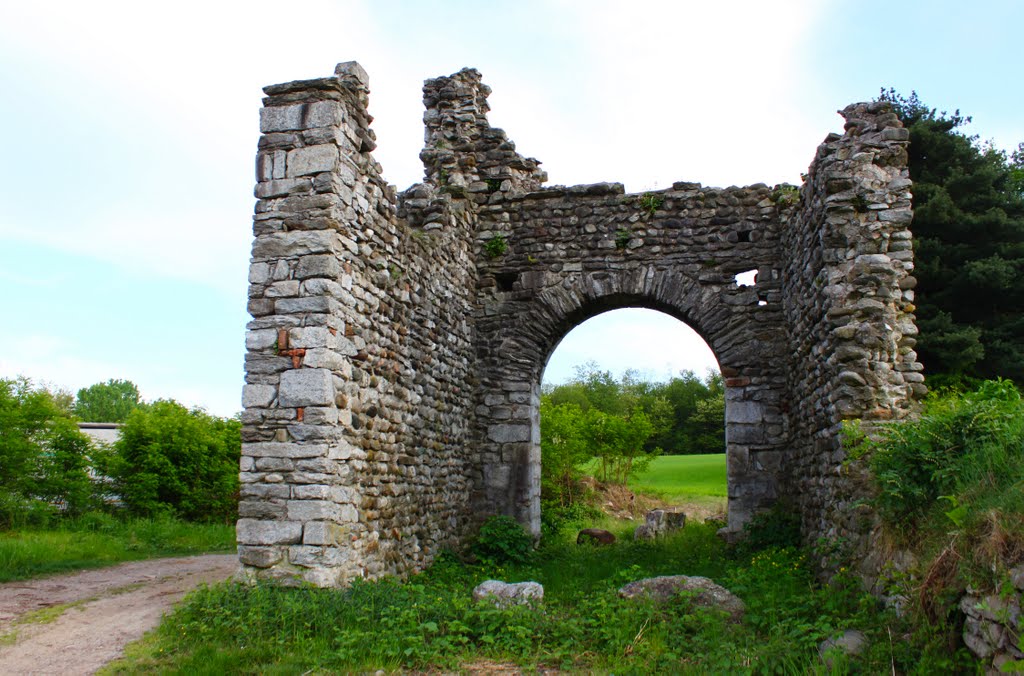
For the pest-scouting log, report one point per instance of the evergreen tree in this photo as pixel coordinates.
(969, 247)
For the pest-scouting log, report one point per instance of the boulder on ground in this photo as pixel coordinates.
(595, 536)
(705, 593)
(660, 522)
(850, 642)
(505, 594)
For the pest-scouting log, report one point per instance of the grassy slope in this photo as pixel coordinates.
(97, 541)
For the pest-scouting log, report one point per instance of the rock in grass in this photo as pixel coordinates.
(850, 642)
(595, 536)
(660, 522)
(505, 594)
(705, 593)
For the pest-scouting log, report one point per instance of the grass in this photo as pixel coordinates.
(683, 478)
(98, 540)
(430, 623)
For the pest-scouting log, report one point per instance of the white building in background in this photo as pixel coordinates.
(104, 433)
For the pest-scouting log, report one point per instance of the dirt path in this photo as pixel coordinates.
(99, 611)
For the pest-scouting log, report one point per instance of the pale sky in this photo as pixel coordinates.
(130, 131)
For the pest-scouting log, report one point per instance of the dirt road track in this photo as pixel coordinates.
(112, 607)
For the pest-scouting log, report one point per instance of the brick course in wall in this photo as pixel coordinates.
(398, 340)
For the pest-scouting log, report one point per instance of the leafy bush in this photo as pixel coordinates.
(63, 477)
(950, 487)
(170, 460)
(502, 540)
(556, 519)
(964, 450)
(44, 459)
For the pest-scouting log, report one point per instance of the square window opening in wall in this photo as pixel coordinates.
(746, 278)
(743, 236)
(506, 280)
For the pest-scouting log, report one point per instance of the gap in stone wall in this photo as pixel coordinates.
(746, 278)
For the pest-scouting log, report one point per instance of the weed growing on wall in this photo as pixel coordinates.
(496, 246)
(622, 237)
(649, 203)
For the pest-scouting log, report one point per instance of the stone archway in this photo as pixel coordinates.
(397, 341)
(528, 323)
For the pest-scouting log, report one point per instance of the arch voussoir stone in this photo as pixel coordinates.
(397, 341)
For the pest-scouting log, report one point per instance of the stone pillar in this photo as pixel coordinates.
(849, 304)
(299, 495)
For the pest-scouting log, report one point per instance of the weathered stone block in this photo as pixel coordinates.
(273, 449)
(318, 266)
(260, 532)
(312, 160)
(310, 556)
(744, 412)
(297, 243)
(322, 533)
(283, 186)
(281, 118)
(321, 510)
(323, 358)
(508, 433)
(306, 387)
(259, 557)
(258, 396)
(261, 339)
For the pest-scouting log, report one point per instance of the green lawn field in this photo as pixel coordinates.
(684, 478)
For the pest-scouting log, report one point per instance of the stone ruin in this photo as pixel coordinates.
(395, 354)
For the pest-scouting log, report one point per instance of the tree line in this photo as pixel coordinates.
(169, 460)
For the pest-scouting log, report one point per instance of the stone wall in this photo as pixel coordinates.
(398, 341)
(358, 397)
(849, 302)
(576, 252)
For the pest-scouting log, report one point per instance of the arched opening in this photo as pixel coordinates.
(520, 339)
(632, 418)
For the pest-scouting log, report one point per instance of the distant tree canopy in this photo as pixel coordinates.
(969, 247)
(111, 401)
(613, 428)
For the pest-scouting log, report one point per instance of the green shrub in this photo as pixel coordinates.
(502, 540)
(496, 246)
(44, 458)
(63, 477)
(556, 519)
(965, 449)
(173, 461)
